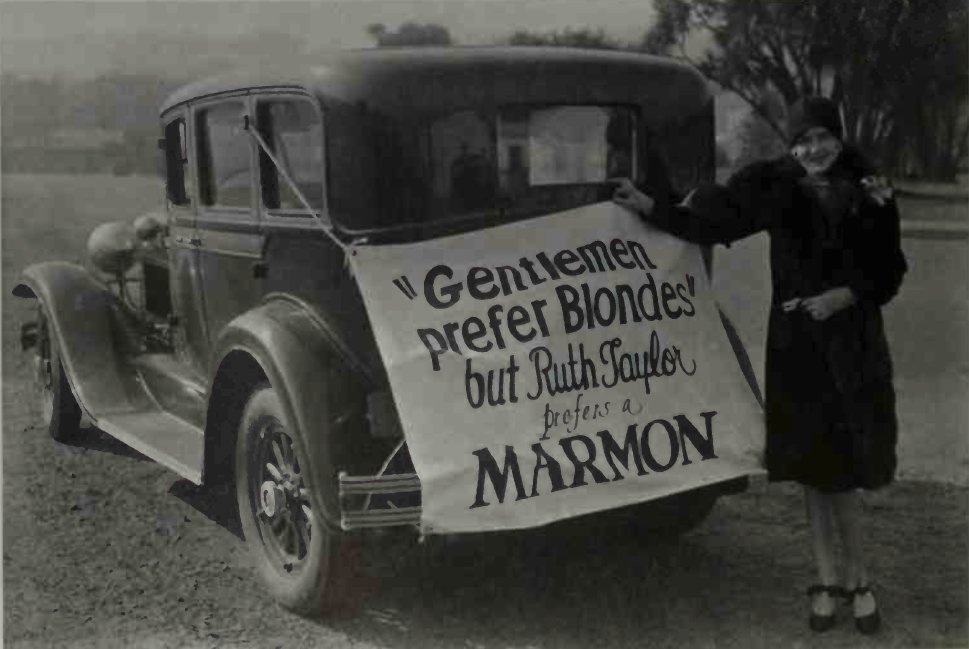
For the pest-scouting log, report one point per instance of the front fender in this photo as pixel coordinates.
(90, 326)
(316, 384)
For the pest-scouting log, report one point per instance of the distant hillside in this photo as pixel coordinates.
(184, 55)
(107, 124)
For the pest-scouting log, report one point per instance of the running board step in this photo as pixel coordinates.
(166, 439)
(174, 386)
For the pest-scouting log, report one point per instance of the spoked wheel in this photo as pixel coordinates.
(285, 515)
(55, 402)
(296, 555)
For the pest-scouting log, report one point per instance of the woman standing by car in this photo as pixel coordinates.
(835, 259)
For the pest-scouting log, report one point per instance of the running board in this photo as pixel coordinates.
(164, 438)
(402, 483)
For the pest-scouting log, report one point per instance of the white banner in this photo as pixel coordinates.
(555, 367)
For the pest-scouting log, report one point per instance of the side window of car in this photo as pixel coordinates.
(293, 131)
(225, 172)
(177, 177)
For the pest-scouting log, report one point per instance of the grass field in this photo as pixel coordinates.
(50, 216)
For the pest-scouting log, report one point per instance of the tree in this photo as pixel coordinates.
(758, 141)
(594, 39)
(876, 58)
(933, 107)
(409, 34)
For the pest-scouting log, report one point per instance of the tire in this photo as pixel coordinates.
(59, 410)
(302, 562)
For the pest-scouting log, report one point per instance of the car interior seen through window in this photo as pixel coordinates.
(529, 154)
(292, 130)
(176, 163)
(224, 156)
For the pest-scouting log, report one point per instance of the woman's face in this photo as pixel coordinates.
(816, 149)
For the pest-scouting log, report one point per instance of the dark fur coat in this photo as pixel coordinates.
(830, 402)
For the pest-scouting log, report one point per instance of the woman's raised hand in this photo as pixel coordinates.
(626, 195)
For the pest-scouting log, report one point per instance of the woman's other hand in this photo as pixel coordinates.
(626, 195)
(823, 306)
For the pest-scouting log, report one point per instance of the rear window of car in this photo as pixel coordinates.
(521, 153)
(509, 161)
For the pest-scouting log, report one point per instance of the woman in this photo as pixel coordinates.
(835, 259)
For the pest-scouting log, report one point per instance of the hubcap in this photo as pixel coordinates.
(283, 510)
(273, 498)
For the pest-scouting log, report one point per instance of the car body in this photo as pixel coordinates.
(234, 305)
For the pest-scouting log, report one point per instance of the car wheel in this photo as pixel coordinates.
(300, 560)
(59, 410)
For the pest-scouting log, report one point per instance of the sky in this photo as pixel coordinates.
(80, 37)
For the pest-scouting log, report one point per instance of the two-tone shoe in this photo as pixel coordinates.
(869, 623)
(822, 622)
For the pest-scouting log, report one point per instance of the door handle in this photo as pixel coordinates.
(260, 270)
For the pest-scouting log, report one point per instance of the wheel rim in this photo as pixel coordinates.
(279, 497)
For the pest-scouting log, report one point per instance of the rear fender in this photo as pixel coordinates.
(93, 332)
(300, 358)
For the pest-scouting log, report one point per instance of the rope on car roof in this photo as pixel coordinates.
(324, 224)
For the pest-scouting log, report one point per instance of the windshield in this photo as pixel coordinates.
(510, 162)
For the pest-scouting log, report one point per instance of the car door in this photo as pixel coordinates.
(230, 239)
(191, 338)
(300, 258)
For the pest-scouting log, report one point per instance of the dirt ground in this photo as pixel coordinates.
(104, 549)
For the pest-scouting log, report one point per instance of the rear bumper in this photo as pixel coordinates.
(356, 491)
(355, 499)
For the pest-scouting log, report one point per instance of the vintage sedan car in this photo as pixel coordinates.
(224, 337)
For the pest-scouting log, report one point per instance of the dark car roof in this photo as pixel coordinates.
(436, 78)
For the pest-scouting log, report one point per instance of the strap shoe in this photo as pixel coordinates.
(822, 622)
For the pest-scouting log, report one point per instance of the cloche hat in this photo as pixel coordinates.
(813, 111)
